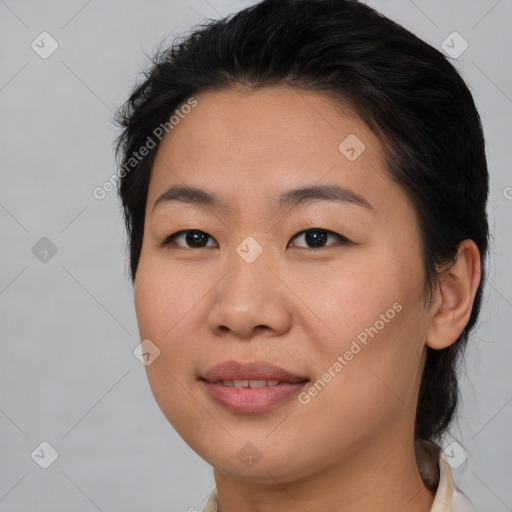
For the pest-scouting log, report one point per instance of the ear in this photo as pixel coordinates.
(454, 297)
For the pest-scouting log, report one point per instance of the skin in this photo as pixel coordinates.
(351, 447)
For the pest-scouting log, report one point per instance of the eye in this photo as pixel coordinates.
(318, 238)
(189, 238)
(315, 238)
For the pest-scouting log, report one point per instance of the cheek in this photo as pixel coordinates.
(162, 318)
(164, 296)
(367, 379)
(375, 357)
(351, 297)
(161, 310)
(151, 302)
(374, 318)
(169, 302)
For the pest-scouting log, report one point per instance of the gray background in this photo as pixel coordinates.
(68, 374)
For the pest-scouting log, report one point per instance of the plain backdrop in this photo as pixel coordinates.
(68, 375)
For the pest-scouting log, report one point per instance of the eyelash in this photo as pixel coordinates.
(170, 239)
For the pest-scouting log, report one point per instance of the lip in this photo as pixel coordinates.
(255, 370)
(251, 400)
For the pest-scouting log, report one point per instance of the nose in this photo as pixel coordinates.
(250, 301)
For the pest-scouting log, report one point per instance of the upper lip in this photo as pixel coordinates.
(255, 370)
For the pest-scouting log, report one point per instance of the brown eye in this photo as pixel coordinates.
(191, 238)
(317, 238)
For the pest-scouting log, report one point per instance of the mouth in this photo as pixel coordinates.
(251, 387)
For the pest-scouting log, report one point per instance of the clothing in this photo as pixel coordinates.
(447, 497)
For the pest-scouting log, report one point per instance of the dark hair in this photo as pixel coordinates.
(402, 88)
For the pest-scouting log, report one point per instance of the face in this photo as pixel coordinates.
(312, 301)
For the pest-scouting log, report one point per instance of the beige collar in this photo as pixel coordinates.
(443, 499)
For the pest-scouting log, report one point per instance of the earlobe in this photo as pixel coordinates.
(454, 297)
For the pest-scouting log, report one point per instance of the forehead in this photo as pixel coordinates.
(246, 145)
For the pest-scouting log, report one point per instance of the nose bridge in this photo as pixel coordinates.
(250, 277)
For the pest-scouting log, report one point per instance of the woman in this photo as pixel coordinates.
(304, 187)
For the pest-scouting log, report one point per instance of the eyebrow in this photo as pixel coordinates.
(290, 198)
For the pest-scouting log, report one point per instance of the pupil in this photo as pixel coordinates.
(197, 238)
(316, 237)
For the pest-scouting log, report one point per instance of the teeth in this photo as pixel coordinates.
(249, 383)
(257, 383)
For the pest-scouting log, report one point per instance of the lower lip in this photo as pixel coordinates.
(252, 400)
